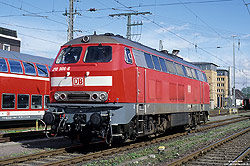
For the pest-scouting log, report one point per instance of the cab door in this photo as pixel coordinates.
(140, 85)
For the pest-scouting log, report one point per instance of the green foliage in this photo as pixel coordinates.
(246, 91)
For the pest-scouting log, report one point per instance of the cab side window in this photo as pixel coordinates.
(128, 56)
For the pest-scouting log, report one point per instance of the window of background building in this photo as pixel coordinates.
(6, 47)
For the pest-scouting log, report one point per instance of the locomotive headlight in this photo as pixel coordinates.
(63, 96)
(94, 96)
(103, 97)
(57, 96)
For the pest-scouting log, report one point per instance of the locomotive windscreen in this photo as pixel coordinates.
(69, 55)
(98, 54)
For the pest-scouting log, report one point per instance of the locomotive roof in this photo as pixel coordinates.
(110, 38)
(25, 57)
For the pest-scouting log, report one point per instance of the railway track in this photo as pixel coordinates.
(7, 137)
(231, 150)
(67, 156)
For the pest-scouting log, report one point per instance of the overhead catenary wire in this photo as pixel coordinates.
(34, 28)
(163, 4)
(198, 17)
(246, 4)
(40, 39)
(184, 39)
(34, 14)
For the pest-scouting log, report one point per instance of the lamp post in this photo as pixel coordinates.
(234, 100)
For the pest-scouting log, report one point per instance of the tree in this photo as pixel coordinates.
(246, 92)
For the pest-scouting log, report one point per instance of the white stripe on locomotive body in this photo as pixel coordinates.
(20, 113)
(61, 81)
(23, 76)
(98, 81)
(89, 81)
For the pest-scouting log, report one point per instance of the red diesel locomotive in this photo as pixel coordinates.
(106, 86)
(24, 80)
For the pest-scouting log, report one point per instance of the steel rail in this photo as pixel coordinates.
(239, 160)
(83, 158)
(206, 149)
(90, 156)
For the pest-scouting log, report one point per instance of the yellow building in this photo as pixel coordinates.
(210, 70)
(222, 88)
(219, 86)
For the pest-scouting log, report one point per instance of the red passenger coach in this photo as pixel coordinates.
(24, 81)
(106, 86)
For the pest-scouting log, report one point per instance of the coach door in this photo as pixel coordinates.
(140, 85)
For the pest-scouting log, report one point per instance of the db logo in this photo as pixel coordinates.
(78, 81)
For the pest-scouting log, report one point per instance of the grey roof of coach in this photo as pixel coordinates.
(25, 57)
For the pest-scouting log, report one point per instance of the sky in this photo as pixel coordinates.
(202, 30)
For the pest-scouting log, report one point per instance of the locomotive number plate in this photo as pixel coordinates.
(78, 81)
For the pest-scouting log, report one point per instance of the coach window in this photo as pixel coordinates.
(15, 67)
(42, 70)
(36, 101)
(128, 56)
(23, 101)
(179, 69)
(163, 65)
(3, 65)
(29, 68)
(69, 55)
(171, 67)
(149, 60)
(99, 53)
(156, 63)
(46, 101)
(8, 101)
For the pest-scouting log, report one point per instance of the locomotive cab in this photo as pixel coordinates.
(86, 88)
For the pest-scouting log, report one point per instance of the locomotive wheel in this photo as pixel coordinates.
(205, 118)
